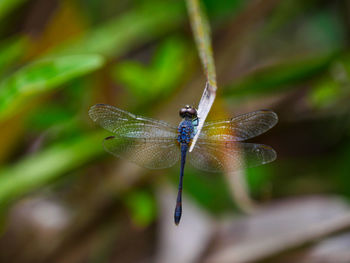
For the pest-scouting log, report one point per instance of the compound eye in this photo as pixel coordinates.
(183, 112)
(192, 111)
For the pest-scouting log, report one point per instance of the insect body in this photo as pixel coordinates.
(156, 145)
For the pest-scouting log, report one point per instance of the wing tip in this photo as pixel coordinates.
(272, 113)
(93, 110)
(272, 153)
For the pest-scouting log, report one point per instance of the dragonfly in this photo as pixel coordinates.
(156, 144)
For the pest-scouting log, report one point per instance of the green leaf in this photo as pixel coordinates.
(128, 31)
(258, 178)
(165, 73)
(42, 76)
(209, 190)
(222, 9)
(333, 88)
(54, 114)
(37, 170)
(142, 207)
(7, 6)
(279, 77)
(135, 77)
(171, 62)
(10, 51)
(325, 93)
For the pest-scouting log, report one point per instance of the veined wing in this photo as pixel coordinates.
(126, 124)
(229, 156)
(152, 153)
(241, 127)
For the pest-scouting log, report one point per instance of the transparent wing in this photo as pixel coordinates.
(148, 153)
(229, 156)
(126, 124)
(241, 127)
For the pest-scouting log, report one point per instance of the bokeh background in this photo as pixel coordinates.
(63, 199)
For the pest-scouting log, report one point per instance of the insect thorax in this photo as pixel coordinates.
(185, 132)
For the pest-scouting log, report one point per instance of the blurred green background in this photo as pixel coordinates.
(63, 199)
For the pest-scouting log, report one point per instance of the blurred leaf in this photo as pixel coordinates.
(333, 88)
(54, 115)
(58, 119)
(142, 206)
(258, 178)
(40, 77)
(10, 51)
(7, 6)
(37, 170)
(325, 93)
(323, 31)
(286, 11)
(129, 30)
(210, 190)
(136, 78)
(168, 67)
(172, 61)
(220, 9)
(279, 77)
